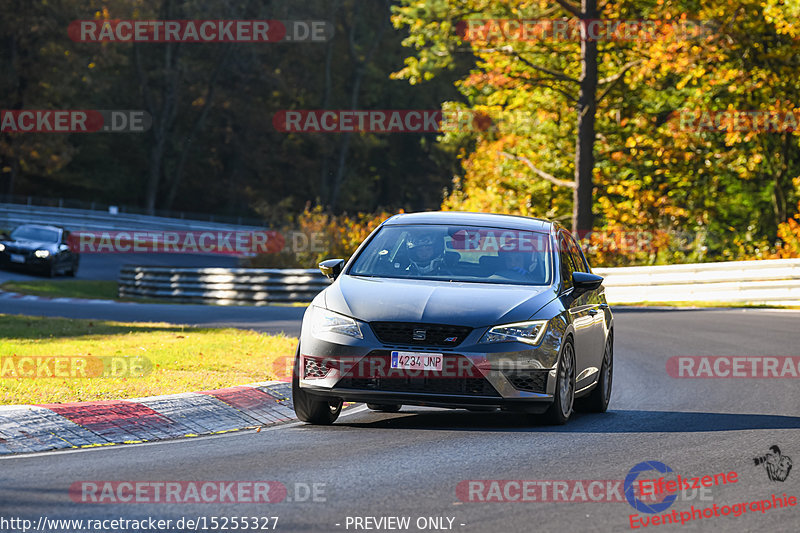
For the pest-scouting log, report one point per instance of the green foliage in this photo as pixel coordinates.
(734, 192)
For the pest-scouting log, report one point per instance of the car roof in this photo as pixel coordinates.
(39, 226)
(491, 220)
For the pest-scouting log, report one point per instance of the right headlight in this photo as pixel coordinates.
(530, 332)
(326, 321)
(2, 246)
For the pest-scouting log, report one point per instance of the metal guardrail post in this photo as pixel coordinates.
(224, 286)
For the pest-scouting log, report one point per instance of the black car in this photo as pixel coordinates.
(41, 249)
(458, 310)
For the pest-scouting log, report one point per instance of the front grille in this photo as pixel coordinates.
(14, 250)
(434, 334)
(528, 380)
(459, 386)
(315, 369)
(458, 376)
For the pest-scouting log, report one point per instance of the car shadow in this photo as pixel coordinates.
(616, 421)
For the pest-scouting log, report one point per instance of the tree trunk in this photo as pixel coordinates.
(360, 69)
(164, 118)
(198, 125)
(327, 87)
(582, 217)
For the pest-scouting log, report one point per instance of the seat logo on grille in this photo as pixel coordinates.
(419, 335)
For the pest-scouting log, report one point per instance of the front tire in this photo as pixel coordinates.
(308, 408)
(563, 400)
(597, 400)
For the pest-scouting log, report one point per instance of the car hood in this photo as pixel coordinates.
(435, 302)
(25, 244)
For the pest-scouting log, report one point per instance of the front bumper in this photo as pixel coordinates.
(28, 261)
(509, 375)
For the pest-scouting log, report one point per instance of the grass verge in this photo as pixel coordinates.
(179, 359)
(71, 288)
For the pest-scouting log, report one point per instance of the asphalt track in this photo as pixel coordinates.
(410, 463)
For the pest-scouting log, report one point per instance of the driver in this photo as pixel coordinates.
(426, 253)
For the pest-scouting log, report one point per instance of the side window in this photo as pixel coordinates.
(577, 257)
(567, 268)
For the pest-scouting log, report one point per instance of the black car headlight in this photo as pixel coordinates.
(2, 247)
(326, 321)
(529, 332)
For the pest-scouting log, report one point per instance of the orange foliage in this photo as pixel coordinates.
(316, 235)
(789, 234)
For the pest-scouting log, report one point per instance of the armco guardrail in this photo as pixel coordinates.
(12, 215)
(773, 281)
(222, 286)
(102, 207)
(757, 282)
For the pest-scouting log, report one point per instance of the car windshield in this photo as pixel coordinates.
(457, 253)
(33, 233)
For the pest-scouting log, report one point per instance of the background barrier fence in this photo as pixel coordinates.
(222, 286)
(774, 282)
(12, 215)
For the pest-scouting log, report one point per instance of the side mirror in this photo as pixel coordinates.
(583, 281)
(331, 268)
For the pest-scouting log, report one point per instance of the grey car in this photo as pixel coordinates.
(458, 310)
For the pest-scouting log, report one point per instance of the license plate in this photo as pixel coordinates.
(417, 360)
(16, 258)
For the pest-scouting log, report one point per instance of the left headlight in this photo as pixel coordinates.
(326, 321)
(528, 332)
(2, 246)
(41, 253)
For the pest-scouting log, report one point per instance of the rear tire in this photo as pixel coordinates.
(597, 400)
(308, 408)
(563, 400)
(384, 407)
